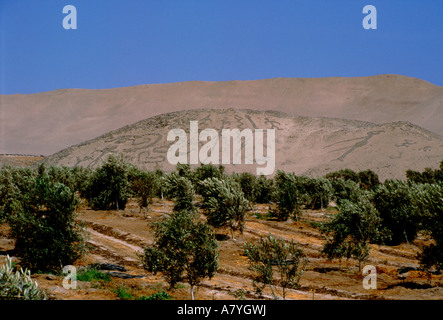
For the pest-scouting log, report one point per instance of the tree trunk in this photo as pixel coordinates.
(192, 292)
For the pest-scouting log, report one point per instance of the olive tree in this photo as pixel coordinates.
(286, 195)
(276, 263)
(350, 232)
(109, 186)
(184, 248)
(224, 203)
(43, 224)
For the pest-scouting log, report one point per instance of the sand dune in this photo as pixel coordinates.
(44, 123)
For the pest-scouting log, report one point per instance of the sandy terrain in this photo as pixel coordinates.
(116, 237)
(304, 145)
(46, 122)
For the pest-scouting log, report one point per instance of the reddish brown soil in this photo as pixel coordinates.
(117, 236)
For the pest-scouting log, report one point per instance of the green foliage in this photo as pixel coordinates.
(275, 263)
(184, 248)
(248, 184)
(352, 230)
(90, 274)
(184, 170)
(42, 222)
(427, 176)
(205, 171)
(161, 295)
(428, 200)
(286, 195)
(264, 189)
(317, 192)
(224, 203)
(109, 186)
(345, 174)
(123, 293)
(18, 285)
(394, 202)
(143, 185)
(181, 190)
(345, 190)
(368, 179)
(13, 182)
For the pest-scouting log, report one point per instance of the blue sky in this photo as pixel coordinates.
(123, 43)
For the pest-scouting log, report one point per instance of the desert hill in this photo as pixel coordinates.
(46, 122)
(305, 145)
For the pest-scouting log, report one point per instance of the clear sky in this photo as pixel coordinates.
(130, 42)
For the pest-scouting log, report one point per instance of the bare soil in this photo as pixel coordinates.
(118, 237)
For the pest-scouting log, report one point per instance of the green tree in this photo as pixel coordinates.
(345, 190)
(181, 190)
(265, 187)
(143, 185)
(318, 192)
(350, 232)
(44, 227)
(345, 174)
(276, 263)
(184, 248)
(248, 184)
(286, 195)
(394, 201)
(428, 200)
(224, 203)
(109, 187)
(368, 179)
(205, 171)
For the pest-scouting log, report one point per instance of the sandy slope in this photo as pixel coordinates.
(304, 145)
(44, 123)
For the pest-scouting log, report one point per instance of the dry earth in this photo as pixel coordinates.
(46, 122)
(304, 145)
(116, 237)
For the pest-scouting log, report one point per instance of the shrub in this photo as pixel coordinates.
(162, 295)
(224, 203)
(42, 222)
(345, 174)
(270, 256)
(90, 274)
(18, 285)
(184, 248)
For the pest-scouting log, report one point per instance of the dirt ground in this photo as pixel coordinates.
(118, 237)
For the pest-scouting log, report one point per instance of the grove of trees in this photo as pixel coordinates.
(40, 204)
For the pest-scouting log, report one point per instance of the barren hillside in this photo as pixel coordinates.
(304, 145)
(44, 123)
